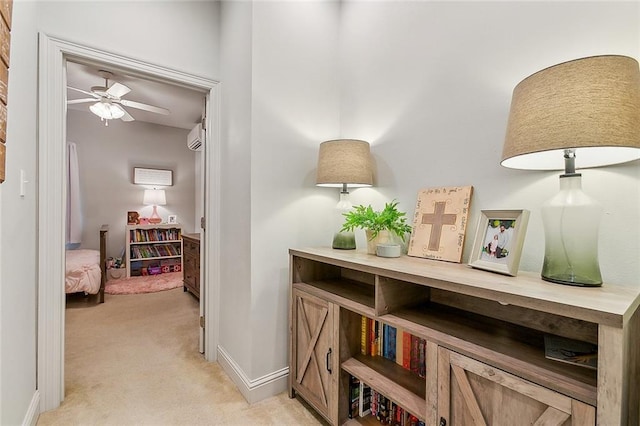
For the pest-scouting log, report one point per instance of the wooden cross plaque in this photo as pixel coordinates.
(440, 222)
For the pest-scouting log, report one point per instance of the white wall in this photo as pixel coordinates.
(235, 174)
(18, 226)
(295, 107)
(180, 35)
(107, 156)
(429, 85)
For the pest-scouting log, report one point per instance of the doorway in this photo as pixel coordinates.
(54, 54)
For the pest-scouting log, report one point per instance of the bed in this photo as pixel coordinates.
(85, 270)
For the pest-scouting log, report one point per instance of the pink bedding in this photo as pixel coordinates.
(83, 271)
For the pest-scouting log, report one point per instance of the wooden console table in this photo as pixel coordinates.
(484, 334)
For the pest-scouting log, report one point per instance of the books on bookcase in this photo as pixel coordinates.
(372, 403)
(395, 344)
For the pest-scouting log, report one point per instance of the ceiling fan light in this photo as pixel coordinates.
(106, 110)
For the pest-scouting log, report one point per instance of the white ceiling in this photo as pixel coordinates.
(186, 105)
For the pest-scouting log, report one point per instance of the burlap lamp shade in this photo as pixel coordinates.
(591, 105)
(344, 161)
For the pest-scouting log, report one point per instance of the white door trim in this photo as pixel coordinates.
(53, 54)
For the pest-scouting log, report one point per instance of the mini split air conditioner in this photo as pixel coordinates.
(195, 139)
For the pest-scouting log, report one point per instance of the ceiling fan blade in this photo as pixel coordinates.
(84, 91)
(145, 107)
(118, 90)
(80, 101)
(126, 116)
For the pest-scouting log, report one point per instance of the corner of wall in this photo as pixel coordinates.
(257, 389)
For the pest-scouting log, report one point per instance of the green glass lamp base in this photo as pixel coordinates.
(572, 280)
(344, 241)
(571, 220)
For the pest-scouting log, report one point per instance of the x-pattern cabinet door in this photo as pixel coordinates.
(471, 393)
(314, 374)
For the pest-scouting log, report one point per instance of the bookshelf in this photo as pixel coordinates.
(483, 336)
(153, 246)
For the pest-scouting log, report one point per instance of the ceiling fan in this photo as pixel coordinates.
(108, 102)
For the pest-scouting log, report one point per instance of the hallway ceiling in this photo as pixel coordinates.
(186, 105)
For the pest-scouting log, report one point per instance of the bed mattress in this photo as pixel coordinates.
(82, 271)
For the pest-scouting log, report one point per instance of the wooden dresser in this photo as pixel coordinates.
(191, 258)
(483, 342)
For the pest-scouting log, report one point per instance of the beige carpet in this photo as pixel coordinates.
(134, 361)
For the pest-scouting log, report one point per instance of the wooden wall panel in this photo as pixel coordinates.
(6, 7)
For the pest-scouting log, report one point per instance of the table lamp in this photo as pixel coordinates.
(343, 163)
(155, 198)
(577, 114)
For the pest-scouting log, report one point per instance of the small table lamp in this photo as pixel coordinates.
(343, 163)
(155, 198)
(578, 114)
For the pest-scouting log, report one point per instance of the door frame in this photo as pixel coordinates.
(51, 151)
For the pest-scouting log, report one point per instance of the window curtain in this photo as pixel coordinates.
(74, 214)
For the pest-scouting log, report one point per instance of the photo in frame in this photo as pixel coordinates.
(172, 219)
(497, 246)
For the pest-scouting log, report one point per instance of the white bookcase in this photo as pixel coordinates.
(153, 245)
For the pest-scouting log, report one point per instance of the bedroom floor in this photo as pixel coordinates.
(134, 360)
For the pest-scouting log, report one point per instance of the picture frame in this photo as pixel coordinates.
(172, 219)
(498, 242)
(133, 218)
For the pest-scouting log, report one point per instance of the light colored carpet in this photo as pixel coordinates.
(134, 361)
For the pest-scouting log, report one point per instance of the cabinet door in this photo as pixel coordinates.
(473, 393)
(314, 363)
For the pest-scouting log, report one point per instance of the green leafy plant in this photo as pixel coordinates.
(388, 219)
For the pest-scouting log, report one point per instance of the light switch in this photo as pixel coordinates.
(23, 181)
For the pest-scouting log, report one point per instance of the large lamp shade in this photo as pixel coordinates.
(344, 161)
(591, 105)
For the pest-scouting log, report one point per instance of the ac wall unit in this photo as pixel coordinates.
(195, 139)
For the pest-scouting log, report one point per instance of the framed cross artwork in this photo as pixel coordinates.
(440, 223)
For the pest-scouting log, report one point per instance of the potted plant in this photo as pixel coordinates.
(379, 226)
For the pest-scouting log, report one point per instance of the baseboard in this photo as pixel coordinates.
(31, 417)
(257, 389)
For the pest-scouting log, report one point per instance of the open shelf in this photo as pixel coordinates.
(513, 348)
(353, 295)
(391, 380)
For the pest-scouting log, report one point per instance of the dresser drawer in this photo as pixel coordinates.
(191, 246)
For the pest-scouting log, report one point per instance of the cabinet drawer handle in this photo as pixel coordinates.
(443, 421)
(329, 361)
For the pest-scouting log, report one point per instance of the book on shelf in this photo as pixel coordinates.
(571, 351)
(406, 350)
(399, 351)
(364, 403)
(354, 397)
(390, 343)
(364, 336)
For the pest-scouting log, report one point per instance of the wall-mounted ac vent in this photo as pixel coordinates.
(195, 139)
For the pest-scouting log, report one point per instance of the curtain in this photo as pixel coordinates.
(74, 214)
